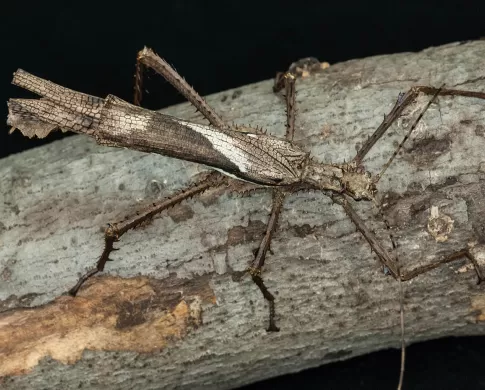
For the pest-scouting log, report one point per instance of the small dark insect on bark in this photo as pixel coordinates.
(235, 152)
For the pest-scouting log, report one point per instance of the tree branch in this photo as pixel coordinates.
(168, 310)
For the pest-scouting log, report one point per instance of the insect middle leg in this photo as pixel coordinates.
(257, 264)
(256, 267)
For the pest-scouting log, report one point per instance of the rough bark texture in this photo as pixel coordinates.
(171, 316)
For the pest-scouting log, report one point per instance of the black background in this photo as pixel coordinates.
(215, 45)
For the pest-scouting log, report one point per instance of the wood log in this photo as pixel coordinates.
(167, 312)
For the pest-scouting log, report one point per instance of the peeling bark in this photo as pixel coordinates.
(170, 312)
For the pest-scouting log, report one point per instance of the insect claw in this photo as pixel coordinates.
(272, 328)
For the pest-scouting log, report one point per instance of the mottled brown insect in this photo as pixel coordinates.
(241, 153)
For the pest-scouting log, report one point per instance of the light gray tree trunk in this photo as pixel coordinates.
(167, 313)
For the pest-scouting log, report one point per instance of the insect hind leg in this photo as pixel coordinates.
(114, 231)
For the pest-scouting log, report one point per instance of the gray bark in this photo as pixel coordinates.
(169, 315)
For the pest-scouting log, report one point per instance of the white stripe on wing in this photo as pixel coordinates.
(223, 143)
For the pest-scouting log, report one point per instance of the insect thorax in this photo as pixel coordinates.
(341, 178)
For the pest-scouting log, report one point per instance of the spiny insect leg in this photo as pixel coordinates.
(116, 230)
(287, 81)
(257, 264)
(148, 58)
(386, 259)
(290, 95)
(403, 100)
(448, 259)
(300, 68)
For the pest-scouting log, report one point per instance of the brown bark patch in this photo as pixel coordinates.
(109, 314)
(427, 150)
(439, 225)
(478, 307)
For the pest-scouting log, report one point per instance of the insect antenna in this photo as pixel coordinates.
(386, 165)
(401, 299)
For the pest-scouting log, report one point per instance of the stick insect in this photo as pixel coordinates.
(235, 152)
